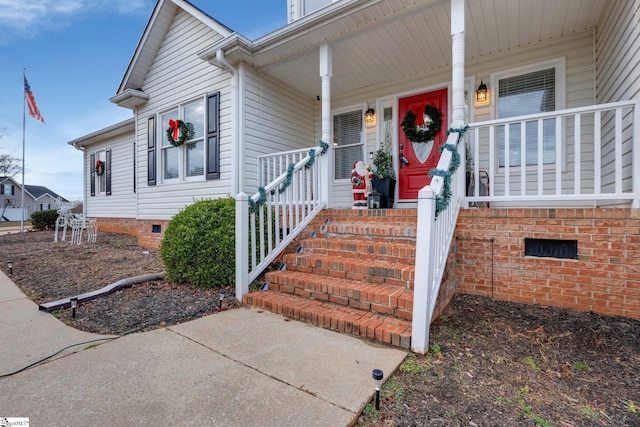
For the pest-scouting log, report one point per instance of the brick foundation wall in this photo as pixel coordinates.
(141, 228)
(605, 278)
(449, 284)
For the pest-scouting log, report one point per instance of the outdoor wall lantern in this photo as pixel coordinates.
(74, 304)
(370, 116)
(10, 266)
(377, 375)
(482, 94)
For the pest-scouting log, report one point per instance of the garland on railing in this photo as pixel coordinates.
(262, 199)
(442, 201)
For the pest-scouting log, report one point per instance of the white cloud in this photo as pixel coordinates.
(20, 19)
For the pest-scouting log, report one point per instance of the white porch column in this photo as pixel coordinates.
(458, 113)
(326, 71)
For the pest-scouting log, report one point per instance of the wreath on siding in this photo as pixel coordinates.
(177, 132)
(99, 167)
(411, 131)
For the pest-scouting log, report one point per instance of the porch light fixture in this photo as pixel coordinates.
(482, 94)
(74, 304)
(10, 267)
(377, 375)
(370, 116)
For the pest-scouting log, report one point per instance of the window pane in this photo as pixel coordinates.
(313, 5)
(195, 158)
(194, 118)
(526, 94)
(170, 162)
(347, 140)
(101, 179)
(345, 158)
(387, 129)
(164, 125)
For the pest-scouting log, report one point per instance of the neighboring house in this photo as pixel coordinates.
(36, 198)
(568, 172)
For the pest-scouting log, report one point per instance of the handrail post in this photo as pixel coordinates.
(421, 318)
(242, 248)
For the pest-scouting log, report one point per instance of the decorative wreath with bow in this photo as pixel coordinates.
(99, 167)
(177, 132)
(414, 134)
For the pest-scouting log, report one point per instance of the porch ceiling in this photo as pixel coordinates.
(378, 42)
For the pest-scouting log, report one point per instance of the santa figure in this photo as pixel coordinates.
(361, 177)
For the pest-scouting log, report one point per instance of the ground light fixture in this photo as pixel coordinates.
(377, 375)
(10, 266)
(222, 292)
(74, 304)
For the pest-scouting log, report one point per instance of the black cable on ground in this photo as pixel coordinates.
(131, 331)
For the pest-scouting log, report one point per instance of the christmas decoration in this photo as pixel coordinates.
(433, 118)
(99, 167)
(177, 132)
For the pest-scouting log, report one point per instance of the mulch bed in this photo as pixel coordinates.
(491, 363)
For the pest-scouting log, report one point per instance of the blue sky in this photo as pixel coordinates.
(75, 53)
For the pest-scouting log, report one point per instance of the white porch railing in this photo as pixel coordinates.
(589, 157)
(433, 240)
(270, 219)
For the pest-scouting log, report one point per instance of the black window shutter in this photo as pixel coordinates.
(151, 151)
(107, 171)
(13, 190)
(213, 136)
(92, 174)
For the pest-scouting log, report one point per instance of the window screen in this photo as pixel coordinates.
(347, 141)
(522, 95)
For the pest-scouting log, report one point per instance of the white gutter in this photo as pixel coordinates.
(235, 134)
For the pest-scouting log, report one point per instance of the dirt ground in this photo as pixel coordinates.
(491, 363)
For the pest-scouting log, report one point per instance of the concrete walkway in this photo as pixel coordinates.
(240, 367)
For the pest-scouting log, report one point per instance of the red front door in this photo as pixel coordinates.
(418, 158)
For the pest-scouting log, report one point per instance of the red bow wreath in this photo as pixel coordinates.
(177, 133)
(99, 167)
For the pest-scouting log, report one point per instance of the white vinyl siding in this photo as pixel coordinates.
(618, 73)
(275, 120)
(177, 77)
(121, 202)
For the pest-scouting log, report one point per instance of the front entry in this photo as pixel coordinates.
(418, 158)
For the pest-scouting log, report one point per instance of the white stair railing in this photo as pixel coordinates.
(267, 221)
(436, 226)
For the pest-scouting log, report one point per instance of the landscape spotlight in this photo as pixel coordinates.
(222, 292)
(377, 375)
(10, 265)
(74, 304)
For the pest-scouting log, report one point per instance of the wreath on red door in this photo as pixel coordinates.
(414, 134)
(177, 132)
(99, 167)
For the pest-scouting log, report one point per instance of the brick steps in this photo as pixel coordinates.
(374, 326)
(351, 271)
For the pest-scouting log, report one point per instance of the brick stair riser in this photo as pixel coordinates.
(401, 275)
(388, 300)
(380, 251)
(342, 319)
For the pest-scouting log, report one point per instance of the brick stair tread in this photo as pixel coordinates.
(388, 251)
(369, 230)
(390, 273)
(392, 300)
(387, 329)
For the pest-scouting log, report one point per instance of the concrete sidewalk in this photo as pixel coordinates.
(241, 367)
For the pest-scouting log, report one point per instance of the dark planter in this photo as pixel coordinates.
(387, 188)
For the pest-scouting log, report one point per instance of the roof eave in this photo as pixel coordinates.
(130, 98)
(108, 132)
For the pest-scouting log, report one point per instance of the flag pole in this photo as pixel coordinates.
(24, 126)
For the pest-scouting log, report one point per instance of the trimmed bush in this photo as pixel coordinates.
(199, 244)
(44, 220)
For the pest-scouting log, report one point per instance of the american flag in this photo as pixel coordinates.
(31, 102)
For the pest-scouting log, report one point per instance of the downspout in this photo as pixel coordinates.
(235, 97)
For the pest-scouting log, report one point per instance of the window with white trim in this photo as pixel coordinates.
(187, 160)
(347, 142)
(523, 93)
(101, 180)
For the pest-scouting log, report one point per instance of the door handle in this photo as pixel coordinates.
(403, 160)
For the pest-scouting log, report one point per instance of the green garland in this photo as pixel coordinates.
(262, 199)
(442, 201)
(184, 134)
(413, 134)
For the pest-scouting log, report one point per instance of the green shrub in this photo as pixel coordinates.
(44, 220)
(199, 244)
